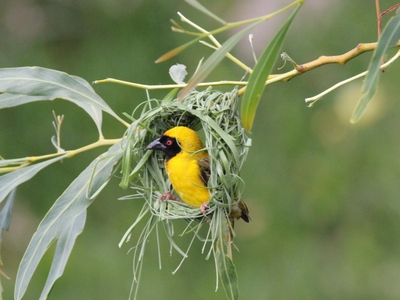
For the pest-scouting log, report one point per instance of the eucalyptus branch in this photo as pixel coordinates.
(321, 61)
(341, 59)
(314, 99)
(24, 162)
(298, 70)
(338, 59)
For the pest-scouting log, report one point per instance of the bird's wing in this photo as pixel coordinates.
(239, 210)
(204, 164)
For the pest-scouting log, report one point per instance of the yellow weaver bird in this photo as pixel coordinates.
(188, 167)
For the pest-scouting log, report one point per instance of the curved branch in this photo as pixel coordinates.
(341, 59)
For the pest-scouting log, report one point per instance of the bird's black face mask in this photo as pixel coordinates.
(166, 144)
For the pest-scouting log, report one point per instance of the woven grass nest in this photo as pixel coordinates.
(215, 115)
(214, 112)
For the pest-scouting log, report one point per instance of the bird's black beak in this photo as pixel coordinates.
(156, 145)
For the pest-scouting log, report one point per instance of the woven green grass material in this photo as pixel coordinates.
(224, 138)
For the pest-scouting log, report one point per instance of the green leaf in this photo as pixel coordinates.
(64, 221)
(228, 275)
(170, 96)
(5, 216)
(260, 75)
(390, 36)
(211, 63)
(176, 51)
(139, 165)
(6, 212)
(29, 84)
(11, 162)
(127, 155)
(204, 10)
(11, 100)
(225, 266)
(98, 182)
(11, 180)
(63, 250)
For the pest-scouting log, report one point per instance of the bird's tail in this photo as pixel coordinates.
(238, 211)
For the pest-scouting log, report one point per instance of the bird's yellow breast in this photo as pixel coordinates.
(184, 173)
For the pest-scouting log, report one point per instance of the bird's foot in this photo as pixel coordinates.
(168, 196)
(203, 209)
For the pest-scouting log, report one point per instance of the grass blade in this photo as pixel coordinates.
(225, 266)
(260, 74)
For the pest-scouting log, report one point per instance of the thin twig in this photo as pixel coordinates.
(228, 26)
(67, 153)
(386, 12)
(167, 86)
(314, 99)
(378, 17)
(216, 43)
(321, 61)
(339, 59)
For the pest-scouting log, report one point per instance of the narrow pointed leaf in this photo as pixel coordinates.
(11, 162)
(6, 212)
(176, 51)
(390, 36)
(211, 63)
(64, 247)
(260, 74)
(170, 96)
(5, 216)
(59, 222)
(98, 182)
(11, 180)
(10, 100)
(139, 165)
(36, 82)
(228, 275)
(204, 10)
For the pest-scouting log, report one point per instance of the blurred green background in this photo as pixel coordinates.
(324, 195)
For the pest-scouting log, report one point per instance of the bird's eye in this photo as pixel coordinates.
(169, 143)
